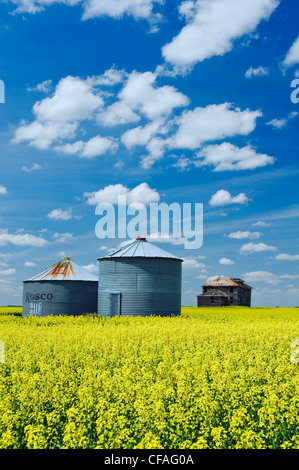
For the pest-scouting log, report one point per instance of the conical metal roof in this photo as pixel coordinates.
(139, 248)
(64, 270)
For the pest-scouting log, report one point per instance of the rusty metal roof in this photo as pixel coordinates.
(221, 281)
(64, 270)
(227, 281)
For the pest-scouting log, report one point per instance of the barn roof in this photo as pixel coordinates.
(221, 281)
(213, 293)
(64, 270)
(139, 248)
(227, 281)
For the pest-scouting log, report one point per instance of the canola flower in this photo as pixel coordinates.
(216, 378)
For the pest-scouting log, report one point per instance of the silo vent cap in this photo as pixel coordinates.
(141, 239)
(66, 259)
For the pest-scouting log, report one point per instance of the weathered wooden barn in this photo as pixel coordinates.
(225, 291)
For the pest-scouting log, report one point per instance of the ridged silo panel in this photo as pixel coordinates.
(147, 286)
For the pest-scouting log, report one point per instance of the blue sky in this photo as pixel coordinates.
(187, 101)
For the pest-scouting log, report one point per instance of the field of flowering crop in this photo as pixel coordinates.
(212, 378)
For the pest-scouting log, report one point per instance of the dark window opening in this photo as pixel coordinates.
(212, 300)
(231, 289)
(231, 300)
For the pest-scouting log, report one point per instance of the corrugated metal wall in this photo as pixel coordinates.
(146, 286)
(59, 297)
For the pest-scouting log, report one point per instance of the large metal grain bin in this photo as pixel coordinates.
(139, 279)
(63, 289)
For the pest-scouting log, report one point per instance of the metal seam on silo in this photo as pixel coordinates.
(150, 284)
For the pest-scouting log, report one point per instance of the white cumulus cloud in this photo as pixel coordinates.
(286, 257)
(117, 113)
(289, 276)
(292, 57)
(63, 237)
(7, 272)
(226, 261)
(281, 123)
(110, 77)
(91, 268)
(118, 8)
(74, 99)
(250, 248)
(191, 263)
(163, 238)
(224, 198)
(142, 135)
(94, 147)
(141, 94)
(156, 148)
(140, 194)
(256, 72)
(42, 135)
(57, 117)
(138, 9)
(33, 167)
(212, 26)
(60, 214)
(261, 223)
(226, 156)
(213, 122)
(21, 239)
(261, 276)
(43, 87)
(239, 235)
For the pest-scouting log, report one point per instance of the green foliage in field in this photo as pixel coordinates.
(213, 378)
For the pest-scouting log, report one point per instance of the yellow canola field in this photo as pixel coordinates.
(212, 378)
(10, 311)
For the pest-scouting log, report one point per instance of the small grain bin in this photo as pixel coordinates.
(139, 279)
(63, 289)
